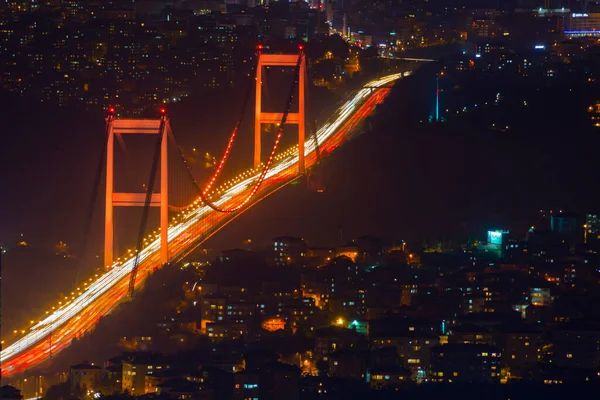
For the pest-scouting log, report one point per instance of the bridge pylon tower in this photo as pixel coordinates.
(126, 199)
(260, 117)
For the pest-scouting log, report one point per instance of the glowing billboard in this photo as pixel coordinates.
(495, 237)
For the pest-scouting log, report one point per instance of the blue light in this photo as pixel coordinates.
(437, 100)
(477, 55)
(593, 33)
(540, 46)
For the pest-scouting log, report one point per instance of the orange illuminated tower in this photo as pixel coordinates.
(280, 60)
(136, 126)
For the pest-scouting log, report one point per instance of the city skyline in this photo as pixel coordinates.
(333, 199)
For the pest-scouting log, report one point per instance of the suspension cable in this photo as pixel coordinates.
(95, 189)
(189, 174)
(313, 127)
(227, 152)
(233, 134)
(147, 201)
(273, 150)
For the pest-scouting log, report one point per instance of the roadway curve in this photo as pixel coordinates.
(99, 295)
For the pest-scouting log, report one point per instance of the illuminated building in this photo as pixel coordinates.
(594, 110)
(246, 385)
(465, 363)
(521, 347)
(273, 324)
(288, 249)
(483, 27)
(592, 226)
(406, 295)
(541, 296)
(576, 345)
(217, 331)
(497, 237)
(281, 290)
(23, 5)
(332, 339)
(582, 24)
(471, 334)
(388, 377)
(85, 376)
(183, 389)
(496, 240)
(563, 223)
(472, 303)
(414, 349)
(578, 271)
(299, 314)
(319, 256)
(346, 304)
(136, 366)
(271, 380)
(348, 364)
(213, 309)
(114, 374)
(497, 46)
(352, 252)
(412, 338)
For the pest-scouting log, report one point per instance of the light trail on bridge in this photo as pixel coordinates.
(192, 227)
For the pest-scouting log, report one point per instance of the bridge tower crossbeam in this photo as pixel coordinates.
(260, 117)
(123, 199)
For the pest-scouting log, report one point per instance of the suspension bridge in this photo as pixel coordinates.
(213, 207)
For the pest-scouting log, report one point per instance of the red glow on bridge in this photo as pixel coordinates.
(196, 224)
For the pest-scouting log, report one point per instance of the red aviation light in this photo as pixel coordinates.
(259, 47)
(111, 110)
(163, 111)
(300, 47)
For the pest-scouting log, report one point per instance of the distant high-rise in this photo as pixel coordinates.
(565, 223)
(592, 226)
(288, 249)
